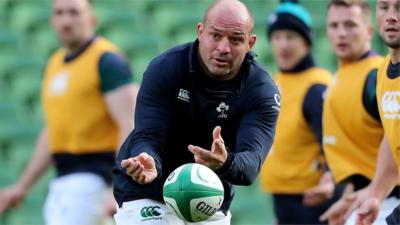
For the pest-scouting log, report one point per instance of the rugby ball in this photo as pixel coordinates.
(193, 192)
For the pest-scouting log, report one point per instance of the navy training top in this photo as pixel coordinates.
(178, 105)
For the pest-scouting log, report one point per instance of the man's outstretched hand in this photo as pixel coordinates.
(141, 168)
(215, 158)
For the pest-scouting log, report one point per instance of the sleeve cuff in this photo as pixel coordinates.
(226, 167)
(158, 168)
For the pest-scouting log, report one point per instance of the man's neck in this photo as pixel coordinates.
(364, 55)
(394, 55)
(71, 49)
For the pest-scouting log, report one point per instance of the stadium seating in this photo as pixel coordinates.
(28, 15)
(9, 42)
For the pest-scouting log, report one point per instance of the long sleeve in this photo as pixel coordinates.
(254, 139)
(312, 109)
(153, 112)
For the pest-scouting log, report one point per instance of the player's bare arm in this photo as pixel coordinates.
(386, 177)
(12, 196)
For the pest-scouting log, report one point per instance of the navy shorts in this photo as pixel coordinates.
(394, 217)
(289, 209)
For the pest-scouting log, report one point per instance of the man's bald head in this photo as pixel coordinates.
(225, 37)
(231, 8)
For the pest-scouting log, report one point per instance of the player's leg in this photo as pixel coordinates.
(76, 199)
(145, 212)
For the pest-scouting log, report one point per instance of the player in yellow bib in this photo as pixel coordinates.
(88, 102)
(387, 173)
(295, 157)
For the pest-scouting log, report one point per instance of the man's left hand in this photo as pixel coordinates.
(320, 193)
(215, 158)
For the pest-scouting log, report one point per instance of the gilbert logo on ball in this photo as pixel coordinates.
(193, 192)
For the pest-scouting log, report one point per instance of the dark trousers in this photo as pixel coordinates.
(289, 209)
(394, 217)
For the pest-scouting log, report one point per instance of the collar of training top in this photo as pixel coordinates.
(68, 58)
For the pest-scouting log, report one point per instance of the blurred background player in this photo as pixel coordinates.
(296, 156)
(352, 127)
(88, 100)
(388, 95)
(207, 102)
(373, 199)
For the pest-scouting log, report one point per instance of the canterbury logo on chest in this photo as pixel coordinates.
(390, 104)
(59, 84)
(222, 107)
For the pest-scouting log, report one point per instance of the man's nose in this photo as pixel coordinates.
(224, 45)
(392, 16)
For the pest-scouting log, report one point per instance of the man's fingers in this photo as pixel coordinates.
(329, 213)
(145, 178)
(217, 133)
(338, 220)
(125, 163)
(136, 173)
(128, 162)
(142, 178)
(200, 152)
(143, 157)
(324, 216)
(219, 147)
(366, 215)
(363, 211)
(131, 169)
(353, 204)
(349, 211)
(359, 219)
(350, 197)
(140, 168)
(309, 196)
(364, 220)
(200, 161)
(313, 191)
(312, 200)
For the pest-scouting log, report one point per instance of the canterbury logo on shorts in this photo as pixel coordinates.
(150, 213)
(391, 105)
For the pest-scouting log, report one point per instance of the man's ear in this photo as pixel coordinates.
(252, 41)
(200, 30)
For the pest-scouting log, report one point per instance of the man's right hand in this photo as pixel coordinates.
(320, 193)
(368, 206)
(11, 197)
(338, 213)
(141, 168)
(368, 211)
